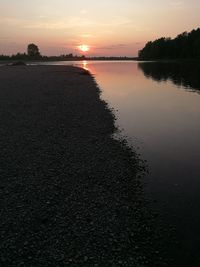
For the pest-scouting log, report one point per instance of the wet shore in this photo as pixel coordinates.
(71, 195)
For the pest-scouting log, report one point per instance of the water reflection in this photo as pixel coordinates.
(163, 120)
(85, 65)
(182, 74)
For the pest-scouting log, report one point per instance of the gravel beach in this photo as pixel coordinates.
(70, 194)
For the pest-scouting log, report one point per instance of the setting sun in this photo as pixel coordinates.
(84, 48)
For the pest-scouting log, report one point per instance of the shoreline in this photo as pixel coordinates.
(72, 195)
(10, 61)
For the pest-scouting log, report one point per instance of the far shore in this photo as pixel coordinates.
(180, 60)
(73, 59)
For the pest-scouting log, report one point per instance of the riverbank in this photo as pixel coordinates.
(71, 194)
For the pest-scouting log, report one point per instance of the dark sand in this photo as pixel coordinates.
(69, 192)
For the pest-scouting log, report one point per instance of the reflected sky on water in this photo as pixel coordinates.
(158, 107)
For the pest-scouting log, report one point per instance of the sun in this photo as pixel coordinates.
(84, 48)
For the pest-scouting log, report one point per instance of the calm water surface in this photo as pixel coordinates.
(158, 108)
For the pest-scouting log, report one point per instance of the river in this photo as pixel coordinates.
(157, 106)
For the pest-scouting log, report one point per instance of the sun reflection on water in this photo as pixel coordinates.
(85, 65)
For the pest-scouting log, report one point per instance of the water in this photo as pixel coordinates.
(158, 109)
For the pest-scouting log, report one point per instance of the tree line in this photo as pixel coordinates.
(184, 46)
(33, 53)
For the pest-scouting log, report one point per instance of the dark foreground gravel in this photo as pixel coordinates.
(70, 195)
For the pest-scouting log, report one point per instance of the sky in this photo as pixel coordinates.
(109, 27)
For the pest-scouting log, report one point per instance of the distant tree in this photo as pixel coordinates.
(4, 57)
(185, 45)
(33, 51)
(19, 56)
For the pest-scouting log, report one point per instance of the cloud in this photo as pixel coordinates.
(59, 24)
(73, 22)
(4, 38)
(11, 21)
(86, 35)
(177, 3)
(83, 11)
(111, 47)
(9, 43)
(116, 46)
(45, 23)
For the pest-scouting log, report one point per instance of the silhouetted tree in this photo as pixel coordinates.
(19, 56)
(33, 51)
(4, 57)
(185, 45)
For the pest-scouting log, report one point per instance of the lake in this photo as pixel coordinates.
(158, 110)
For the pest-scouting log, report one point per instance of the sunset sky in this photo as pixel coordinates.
(109, 27)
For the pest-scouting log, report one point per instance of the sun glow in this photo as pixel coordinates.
(84, 48)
